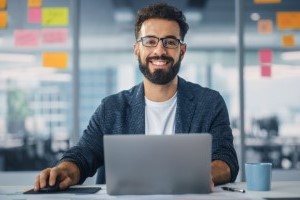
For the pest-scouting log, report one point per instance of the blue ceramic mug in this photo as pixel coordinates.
(258, 176)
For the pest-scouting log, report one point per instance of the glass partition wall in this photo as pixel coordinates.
(35, 84)
(272, 76)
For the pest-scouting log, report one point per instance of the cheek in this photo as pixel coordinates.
(143, 56)
(177, 56)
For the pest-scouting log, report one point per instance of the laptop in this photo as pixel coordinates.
(157, 164)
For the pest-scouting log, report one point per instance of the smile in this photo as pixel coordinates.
(159, 62)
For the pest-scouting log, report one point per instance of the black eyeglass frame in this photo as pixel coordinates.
(179, 42)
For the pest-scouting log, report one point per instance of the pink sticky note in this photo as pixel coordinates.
(265, 56)
(26, 38)
(265, 70)
(54, 36)
(34, 15)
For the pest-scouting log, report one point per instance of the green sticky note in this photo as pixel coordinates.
(55, 16)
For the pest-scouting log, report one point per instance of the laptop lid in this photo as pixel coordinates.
(157, 164)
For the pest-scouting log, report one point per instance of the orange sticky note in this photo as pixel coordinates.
(265, 26)
(288, 20)
(3, 4)
(34, 3)
(288, 40)
(266, 1)
(56, 60)
(3, 19)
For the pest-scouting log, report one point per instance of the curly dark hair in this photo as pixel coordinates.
(161, 11)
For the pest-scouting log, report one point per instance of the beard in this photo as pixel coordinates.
(160, 76)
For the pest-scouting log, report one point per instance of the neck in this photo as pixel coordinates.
(160, 93)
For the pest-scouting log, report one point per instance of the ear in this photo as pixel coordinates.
(182, 50)
(136, 50)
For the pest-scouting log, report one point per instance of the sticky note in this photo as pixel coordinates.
(266, 1)
(3, 4)
(3, 19)
(34, 15)
(54, 36)
(56, 60)
(55, 16)
(26, 38)
(288, 20)
(265, 26)
(288, 40)
(265, 70)
(265, 56)
(34, 3)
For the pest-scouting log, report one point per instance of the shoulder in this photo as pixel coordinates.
(197, 91)
(124, 97)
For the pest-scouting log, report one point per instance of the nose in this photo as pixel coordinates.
(160, 49)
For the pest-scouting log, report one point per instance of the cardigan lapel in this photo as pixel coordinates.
(185, 107)
(136, 111)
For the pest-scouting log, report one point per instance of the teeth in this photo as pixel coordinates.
(159, 62)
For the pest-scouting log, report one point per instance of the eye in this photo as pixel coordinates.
(171, 42)
(150, 41)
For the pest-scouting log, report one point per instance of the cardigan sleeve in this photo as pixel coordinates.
(222, 146)
(88, 154)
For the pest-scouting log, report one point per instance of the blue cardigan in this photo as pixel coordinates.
(199, 110)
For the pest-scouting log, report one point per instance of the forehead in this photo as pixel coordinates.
(160, 28)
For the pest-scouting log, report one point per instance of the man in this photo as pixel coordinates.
(163, 104)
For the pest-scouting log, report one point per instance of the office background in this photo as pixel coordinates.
(45, 107)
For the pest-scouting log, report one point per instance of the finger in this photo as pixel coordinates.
(53, 176)
(65, 183)
(44, 175)
(36, 183)
(212, 184)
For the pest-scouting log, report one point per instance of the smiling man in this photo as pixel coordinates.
(163, 103)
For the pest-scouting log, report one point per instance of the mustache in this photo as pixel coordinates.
(162, 57)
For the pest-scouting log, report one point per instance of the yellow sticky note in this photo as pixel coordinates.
(288, 20)
(55, 16)
(56, 60)
(3, 4)
(266, 1)
(265, 26)
(288, 40)
(3, 19)
(34, 3)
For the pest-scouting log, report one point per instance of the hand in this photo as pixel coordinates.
(67, 173)
(220, 172)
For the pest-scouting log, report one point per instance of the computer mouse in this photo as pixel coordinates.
(48, 188)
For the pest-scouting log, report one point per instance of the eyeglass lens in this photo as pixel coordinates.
(153, 41)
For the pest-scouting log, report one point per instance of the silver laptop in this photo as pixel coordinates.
(161, 164)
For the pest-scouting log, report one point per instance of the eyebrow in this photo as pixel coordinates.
(168, 36)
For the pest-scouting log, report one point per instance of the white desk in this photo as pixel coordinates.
(279, 189)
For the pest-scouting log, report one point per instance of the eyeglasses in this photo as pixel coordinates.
(152, 41)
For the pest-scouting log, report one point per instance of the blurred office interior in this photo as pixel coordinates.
(45, 107)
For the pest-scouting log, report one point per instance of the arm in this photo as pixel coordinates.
(224, 159)
(80, 161)
(87, 155)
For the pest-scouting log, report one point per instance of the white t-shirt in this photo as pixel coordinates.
(160, 116)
